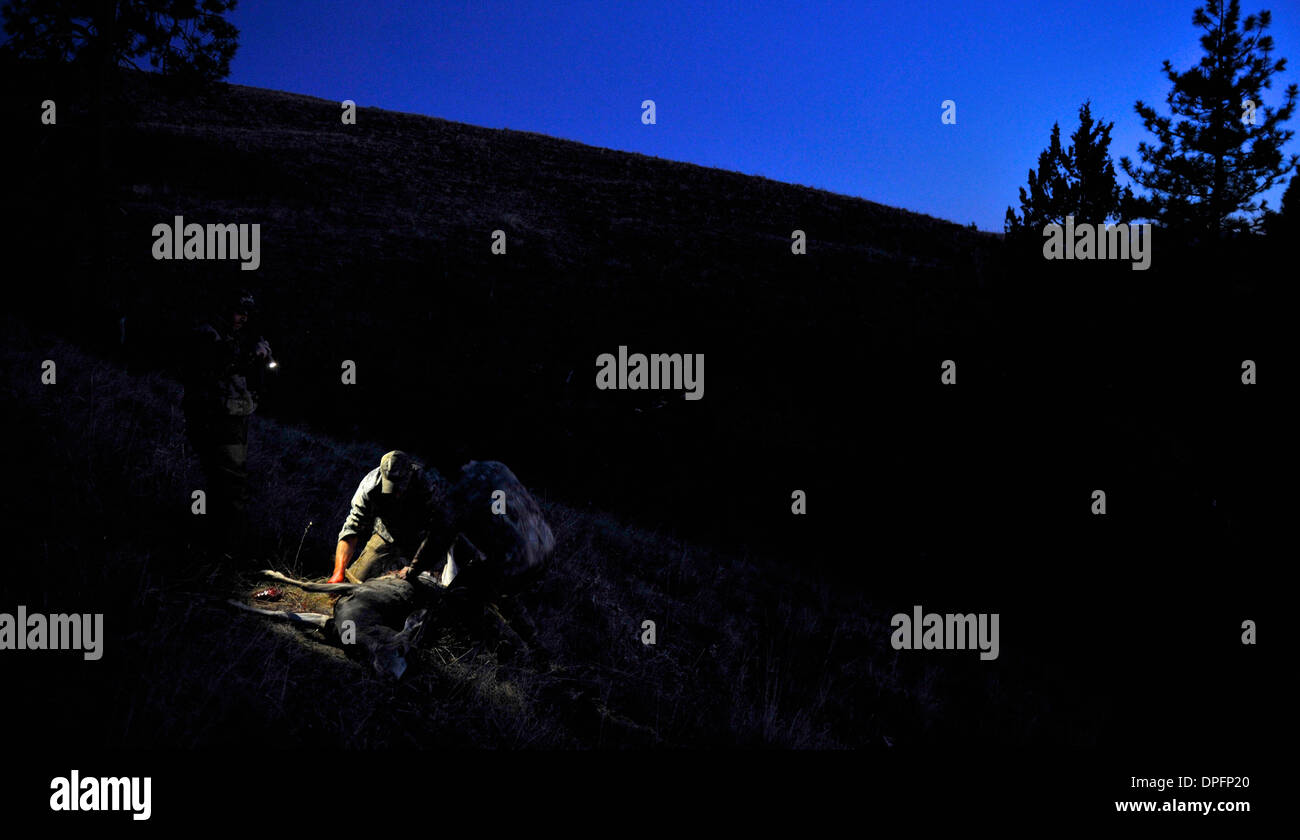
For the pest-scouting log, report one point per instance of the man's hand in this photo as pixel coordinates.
(263, 350)
(403, 572)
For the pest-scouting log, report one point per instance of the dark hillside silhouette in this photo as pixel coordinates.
(376, 245)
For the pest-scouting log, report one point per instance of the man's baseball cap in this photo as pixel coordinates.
(396, 469)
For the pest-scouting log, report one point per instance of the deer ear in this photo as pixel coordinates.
(398, 666)
(416, 622)
(412, 621)
(388, 661)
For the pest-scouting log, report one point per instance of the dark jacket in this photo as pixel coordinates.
(221, 373)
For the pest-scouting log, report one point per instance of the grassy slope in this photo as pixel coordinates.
(742, 657)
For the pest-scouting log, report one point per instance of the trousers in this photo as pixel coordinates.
(221, 444)
(377, 558)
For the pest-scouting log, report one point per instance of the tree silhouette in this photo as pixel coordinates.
(1291, 199)
(187, 39)
(1286, 223)
(1076, 181)
(1214, 161)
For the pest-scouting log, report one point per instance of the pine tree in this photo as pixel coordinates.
(186, 39)
(1077, 181)
(1211, 164)
(1097, 196)
(1047, 188)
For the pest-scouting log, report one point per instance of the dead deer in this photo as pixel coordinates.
(378, 621)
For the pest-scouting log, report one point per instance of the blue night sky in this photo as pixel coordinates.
(841, 96)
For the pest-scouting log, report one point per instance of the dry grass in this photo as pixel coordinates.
(741, 658)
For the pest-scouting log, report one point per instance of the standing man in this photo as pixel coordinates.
(396, 507)
(224, 370)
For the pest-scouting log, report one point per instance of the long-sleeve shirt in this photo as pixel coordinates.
(404, 520)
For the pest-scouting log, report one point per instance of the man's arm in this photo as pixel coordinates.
(205, 355)
(360, 522)
(439, 535)
(432, 548)
(343, 554)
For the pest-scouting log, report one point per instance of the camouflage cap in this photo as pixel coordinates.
(396, 469)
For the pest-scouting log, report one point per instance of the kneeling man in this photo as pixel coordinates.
(395, 509)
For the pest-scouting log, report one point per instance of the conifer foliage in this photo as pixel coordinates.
(185, 39)
(1225, 148)
(1075, 181)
